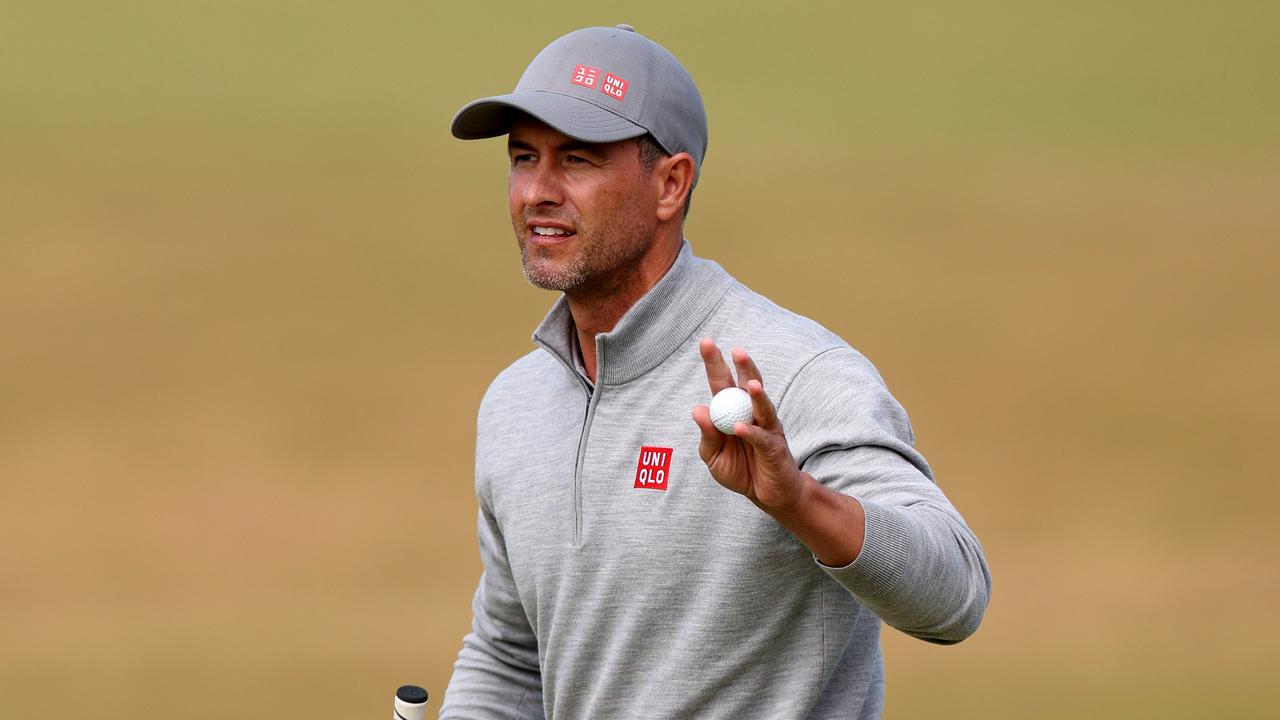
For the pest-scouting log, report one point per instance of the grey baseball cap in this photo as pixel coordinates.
(600, 85)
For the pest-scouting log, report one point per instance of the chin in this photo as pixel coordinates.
(551, 277)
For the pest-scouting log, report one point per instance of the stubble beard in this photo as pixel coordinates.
(602, 263)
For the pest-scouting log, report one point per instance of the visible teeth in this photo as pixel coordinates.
(549, 231)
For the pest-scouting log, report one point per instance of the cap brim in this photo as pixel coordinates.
(573, 116)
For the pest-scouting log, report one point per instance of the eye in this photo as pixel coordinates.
(523, 158)
(576, 160)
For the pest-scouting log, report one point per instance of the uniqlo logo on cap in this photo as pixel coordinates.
(654, 468)
(614, 86)
(586, 76)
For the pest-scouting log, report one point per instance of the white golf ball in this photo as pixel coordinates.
(729, 406)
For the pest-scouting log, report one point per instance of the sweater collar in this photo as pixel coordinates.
(658, 323)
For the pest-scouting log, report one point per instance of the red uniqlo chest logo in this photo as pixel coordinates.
(614, 86)
(586, 76)
(654, 468)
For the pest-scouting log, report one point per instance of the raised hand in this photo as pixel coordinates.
(755, 461)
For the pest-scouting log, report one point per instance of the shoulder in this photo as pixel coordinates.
(787, 326)
(522, 381)
(517, 417)
(791, 343)
(532, 364)
(812, 374)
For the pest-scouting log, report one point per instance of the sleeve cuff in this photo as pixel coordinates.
(882, 561)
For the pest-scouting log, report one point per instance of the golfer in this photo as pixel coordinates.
(638, 562)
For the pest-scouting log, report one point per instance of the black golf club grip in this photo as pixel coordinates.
(410, 703)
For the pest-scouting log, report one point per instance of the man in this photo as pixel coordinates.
(639, 564)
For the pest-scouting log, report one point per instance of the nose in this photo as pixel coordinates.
(541, 185)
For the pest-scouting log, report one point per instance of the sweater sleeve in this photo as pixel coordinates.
(921, 569)
(497, 672)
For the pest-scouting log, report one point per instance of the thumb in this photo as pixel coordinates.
(712, 439)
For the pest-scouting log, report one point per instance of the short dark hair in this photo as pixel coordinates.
(650, 153)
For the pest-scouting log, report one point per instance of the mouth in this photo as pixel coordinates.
(545, 234)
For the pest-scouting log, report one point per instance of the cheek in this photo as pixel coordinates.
(610, 197)
(630, 203)
(514, 191)
(515, 205)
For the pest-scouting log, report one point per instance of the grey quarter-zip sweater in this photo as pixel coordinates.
(622, 581)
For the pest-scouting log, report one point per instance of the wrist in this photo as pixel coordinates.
(793, 508)
(830, 524)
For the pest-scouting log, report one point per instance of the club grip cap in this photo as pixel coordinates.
(411, 694)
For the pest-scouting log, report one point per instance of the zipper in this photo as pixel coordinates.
(577, 465)
(593, 395)
(596, 391)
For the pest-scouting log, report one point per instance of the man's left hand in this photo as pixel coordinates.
(755, 461)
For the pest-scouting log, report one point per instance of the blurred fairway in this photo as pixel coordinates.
(251, 293)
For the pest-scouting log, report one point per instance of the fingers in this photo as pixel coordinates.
(719, 376)
(749, 379)
(771, 447)
(762, 409)
(747, 369)
(776, 480)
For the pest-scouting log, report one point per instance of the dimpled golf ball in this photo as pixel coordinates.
(729, 406)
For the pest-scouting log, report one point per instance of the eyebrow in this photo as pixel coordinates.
(570, 146)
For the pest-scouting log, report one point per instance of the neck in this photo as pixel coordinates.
(598, 309)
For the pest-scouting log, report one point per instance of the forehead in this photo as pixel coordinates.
(530, 132)
(525, 126)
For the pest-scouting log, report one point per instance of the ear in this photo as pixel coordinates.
(675, 177)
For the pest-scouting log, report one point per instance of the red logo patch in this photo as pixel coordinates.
(654, 468)
(614, 86)
(586, 76)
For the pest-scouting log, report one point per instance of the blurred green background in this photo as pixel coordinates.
(251, 293)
